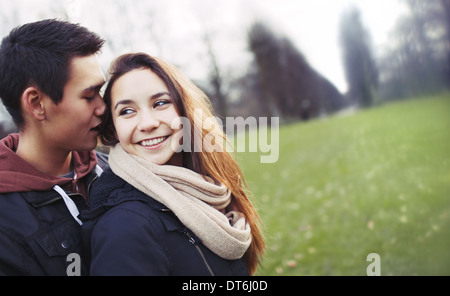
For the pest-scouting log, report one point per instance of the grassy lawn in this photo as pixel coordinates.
(376, 181)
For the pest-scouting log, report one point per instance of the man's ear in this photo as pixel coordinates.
(32, 100)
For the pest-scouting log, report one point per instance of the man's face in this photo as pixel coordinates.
(72, 125)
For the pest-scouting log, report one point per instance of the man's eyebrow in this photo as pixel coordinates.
(94, 87)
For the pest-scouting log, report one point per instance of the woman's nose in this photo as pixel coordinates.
(148, 122)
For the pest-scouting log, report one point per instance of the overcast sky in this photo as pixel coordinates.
(174, 29)
(179, 25)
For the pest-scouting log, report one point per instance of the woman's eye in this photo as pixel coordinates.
(125, 111)
(160, 103)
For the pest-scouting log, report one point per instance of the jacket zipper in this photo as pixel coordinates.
(42, 204)
(89, 186)
(45, 203)
(194, 242)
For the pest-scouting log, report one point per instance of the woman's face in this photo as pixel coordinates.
(143, 112)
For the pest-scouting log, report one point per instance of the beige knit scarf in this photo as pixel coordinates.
(196, 200)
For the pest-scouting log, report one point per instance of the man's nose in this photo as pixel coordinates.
(101, 107)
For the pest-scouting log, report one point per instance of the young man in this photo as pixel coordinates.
(50, 81)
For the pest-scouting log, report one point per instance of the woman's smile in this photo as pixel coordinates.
(153, 143)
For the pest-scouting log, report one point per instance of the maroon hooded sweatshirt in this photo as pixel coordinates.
(17, 175)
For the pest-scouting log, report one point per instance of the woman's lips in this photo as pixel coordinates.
(153, 142)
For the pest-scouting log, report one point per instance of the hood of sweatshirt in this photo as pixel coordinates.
(18, 175)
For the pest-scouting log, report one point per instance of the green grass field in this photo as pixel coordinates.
(376, 181)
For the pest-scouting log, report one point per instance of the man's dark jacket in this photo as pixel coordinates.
(37, 231)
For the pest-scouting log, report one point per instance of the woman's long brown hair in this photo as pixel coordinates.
(192, 103)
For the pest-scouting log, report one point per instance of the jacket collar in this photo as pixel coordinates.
(17, 175)
(42, 198)
(104, 195)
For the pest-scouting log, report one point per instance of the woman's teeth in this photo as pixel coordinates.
(153, 142)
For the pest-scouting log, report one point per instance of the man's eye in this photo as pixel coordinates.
(94, 95)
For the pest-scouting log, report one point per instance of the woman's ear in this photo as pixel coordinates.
(32, 101)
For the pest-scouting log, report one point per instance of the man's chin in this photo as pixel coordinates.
(88, 145)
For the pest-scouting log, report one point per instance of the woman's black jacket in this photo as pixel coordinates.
(130, 233)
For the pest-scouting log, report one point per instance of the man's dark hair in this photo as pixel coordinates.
(40, 54)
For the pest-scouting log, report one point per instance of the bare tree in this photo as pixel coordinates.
(264, 45)
(418, 62)
(218, 96)
(359, 64)
(290, 86)
(446, 18)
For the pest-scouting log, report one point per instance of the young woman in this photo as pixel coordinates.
(172, 202)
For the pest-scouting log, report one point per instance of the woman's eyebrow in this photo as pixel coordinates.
(160, 94)
(153, 97)
(123, 102)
